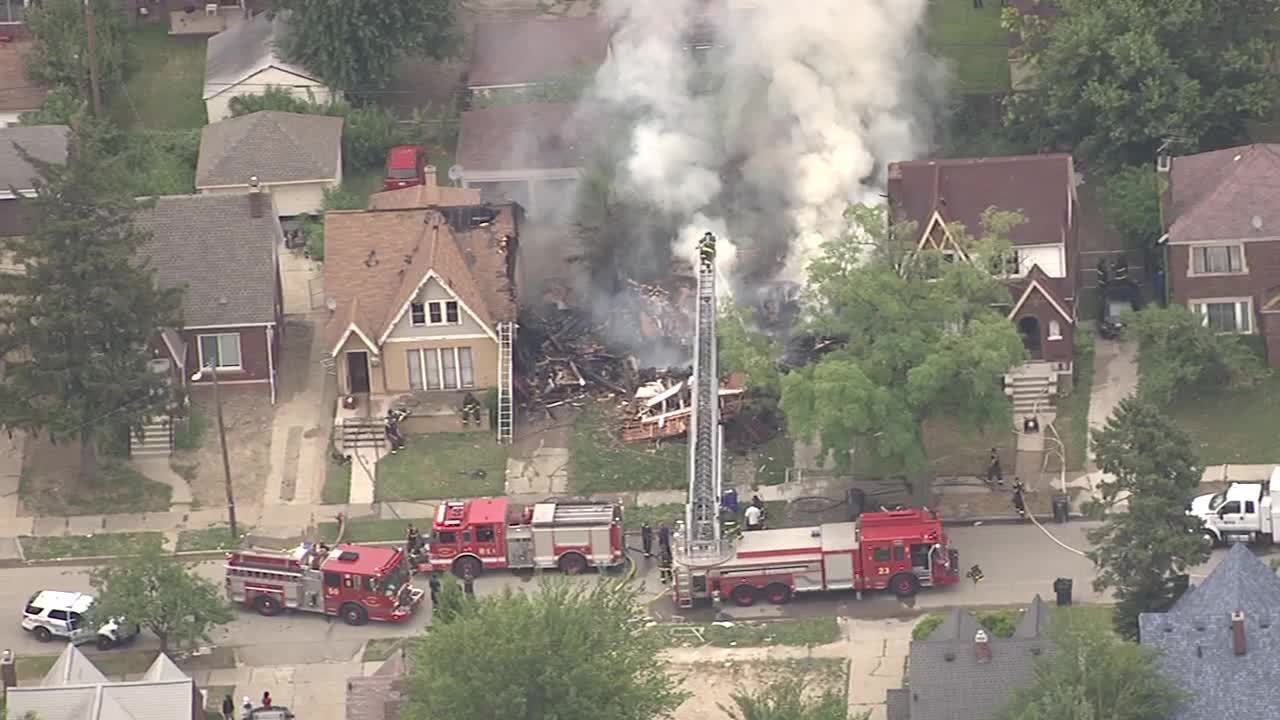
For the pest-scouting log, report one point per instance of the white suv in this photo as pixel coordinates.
(53, 613)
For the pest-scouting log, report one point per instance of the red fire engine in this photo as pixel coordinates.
(358, 582)
(899, 550)
(471, 536)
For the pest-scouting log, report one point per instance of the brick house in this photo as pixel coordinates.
(937, 194)
(1222, 239)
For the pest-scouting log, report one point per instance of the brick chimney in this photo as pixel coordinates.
(1237, 633)
(981, 648)
(257, 201)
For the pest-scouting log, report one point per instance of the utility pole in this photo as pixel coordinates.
(212, 370)
(94, 90)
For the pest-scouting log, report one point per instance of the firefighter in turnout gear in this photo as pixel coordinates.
(707, 250)
(664, 563)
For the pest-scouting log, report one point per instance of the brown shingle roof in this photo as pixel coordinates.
(519, 52)
(527, 136)
(376, 260)
(422, 196)
(1037, 186)
(17, 93)
(1216, 195)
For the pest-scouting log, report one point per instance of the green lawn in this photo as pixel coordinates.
(66, 546)
(369, 529)
(600, 462)
(443, 465)
(1232, 426)
(31, 668)
(804, 632)
(362, 183)
(118, 488)
(167, 82)
(337, 482)
(974, 43)
(1072, 420)
(214, 538)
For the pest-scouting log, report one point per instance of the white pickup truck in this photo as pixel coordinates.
(1244, 512)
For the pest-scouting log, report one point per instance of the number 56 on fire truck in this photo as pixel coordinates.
(358, 582)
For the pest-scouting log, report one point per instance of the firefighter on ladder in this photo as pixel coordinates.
(707, 250)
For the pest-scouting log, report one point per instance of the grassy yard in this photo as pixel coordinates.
(600, 462)
(369, 529)
(31, 668)
(118, 488)
(804, 632)
(214, 538)
(443, 465)
(363, 183)
(65, 546)
(165, 87)
(1072, 421)
(1232, 426)
(973, 42)
(337, 482)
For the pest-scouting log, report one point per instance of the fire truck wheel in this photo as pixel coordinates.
(353, 614)
(572, 564)
(743, 596)
(266, 605)
(464, 566)
(778, 594)
(904, 585)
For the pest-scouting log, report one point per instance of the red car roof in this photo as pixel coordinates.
(403, 156)
(369, 560)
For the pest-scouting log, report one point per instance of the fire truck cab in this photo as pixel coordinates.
(470, 536)
(899, 550)
(358, 582)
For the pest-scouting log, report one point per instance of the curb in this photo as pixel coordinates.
(1007, 520)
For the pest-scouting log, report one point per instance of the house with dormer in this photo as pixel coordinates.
(421, 301)
(940, 197)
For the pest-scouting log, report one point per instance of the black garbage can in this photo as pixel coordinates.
(1062, 588)
(1061, 508)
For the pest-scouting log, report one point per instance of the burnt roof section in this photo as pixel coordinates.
(1039, 187)
(521, 52)
(1216, 195)
(526, 136)
(1195, 641)
(949, 683)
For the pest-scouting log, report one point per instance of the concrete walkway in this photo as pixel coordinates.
(302, 423)
(157, 468)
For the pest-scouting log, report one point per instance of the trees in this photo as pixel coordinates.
(1140, 553)
(922, 339)
(1176, 350)
(743, 349)
(353, 45)
(567, 651)
(787, 700)
(59, 54)
(163, 596)
(1116, 78)
(75, 325)
(1094, 676)
(1131, 199)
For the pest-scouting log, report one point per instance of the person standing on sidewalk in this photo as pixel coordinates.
(994, 473)
(664, 537)
(228, 708)
(646, 539)
(1019, 501)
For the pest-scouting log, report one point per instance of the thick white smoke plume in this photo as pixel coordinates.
(765, 137)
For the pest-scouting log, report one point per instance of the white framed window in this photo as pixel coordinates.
(1226, 315)
(1055, 330)
(1217, 260)
(220, 351)
(441, 369)
(442, 312)
(417, 314)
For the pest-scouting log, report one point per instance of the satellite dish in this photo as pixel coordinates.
(455, 172)
(1256, 222)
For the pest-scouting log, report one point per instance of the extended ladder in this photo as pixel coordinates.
(703, 514)
(506, 381)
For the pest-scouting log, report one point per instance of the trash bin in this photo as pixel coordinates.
(1062, 588)
(1061, 508)
(729, 500)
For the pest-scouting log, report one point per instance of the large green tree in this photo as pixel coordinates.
(1117, 78)
(922, 338)
(1177, 350)
(59, 56)
(791, 699)
(1094, 675)
(566, 651)
(76, 323)
(744, 349)
(354, 45)
(161, 594)
(1131, 199)
(1149, 464)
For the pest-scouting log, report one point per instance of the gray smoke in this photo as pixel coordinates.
(791, 115)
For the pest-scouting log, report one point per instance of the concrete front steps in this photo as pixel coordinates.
(156, 440)
(1031, 390)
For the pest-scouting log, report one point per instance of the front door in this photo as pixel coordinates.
(1029, 328)
(358, 373)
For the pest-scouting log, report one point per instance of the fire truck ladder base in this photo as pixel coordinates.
(506, 382)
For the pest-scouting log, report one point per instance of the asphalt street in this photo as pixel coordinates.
(1018, 562)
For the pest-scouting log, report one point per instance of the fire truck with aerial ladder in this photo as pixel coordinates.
(898, 550)
(357, 582)
(471, 536)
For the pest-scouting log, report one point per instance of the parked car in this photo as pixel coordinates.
(53, 614)
(406, 167)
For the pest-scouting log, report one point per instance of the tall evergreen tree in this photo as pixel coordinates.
(75, 324)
